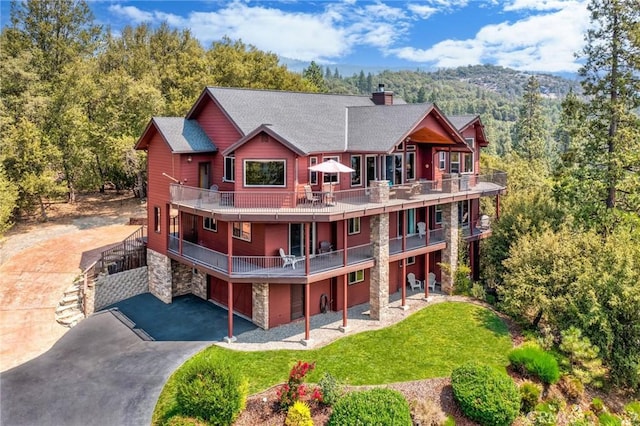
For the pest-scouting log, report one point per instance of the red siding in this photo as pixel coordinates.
(159, 160)
(264, 147)
(359, 293)
(279, 305)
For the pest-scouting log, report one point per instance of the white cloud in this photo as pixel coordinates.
(423, 11)
(136, 15)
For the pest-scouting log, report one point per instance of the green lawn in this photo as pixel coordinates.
(429, 343)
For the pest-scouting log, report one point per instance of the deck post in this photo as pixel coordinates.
(180, 232)
(345, 281)
(230, 337)
(307, 251)
(426, 275)
(403, 278)
(307, 340)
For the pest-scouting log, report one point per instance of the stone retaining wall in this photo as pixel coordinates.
(110, 289)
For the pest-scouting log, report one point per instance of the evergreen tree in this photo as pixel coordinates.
(313, 74)
(531, 127)
(606, 182)
(327, 73)
(336, 74)
(421, 97)
(362, 82)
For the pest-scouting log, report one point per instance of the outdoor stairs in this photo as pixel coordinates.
(69, 311)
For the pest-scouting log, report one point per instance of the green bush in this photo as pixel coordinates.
(608, 419)
(211, 392)
(449, 422)
(485, 395)
(184, 421)
(632, 410)
(597, 405)
(379, 406)
(529, 396)
(330, 389)
(572, 387)
(299, 414)
(533, 360)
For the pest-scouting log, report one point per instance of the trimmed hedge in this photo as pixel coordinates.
(534, 360)
(379, 406)
(485, 395)
(211, 392)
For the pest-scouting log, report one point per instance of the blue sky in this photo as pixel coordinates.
(527, 35)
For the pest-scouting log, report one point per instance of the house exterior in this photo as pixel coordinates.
(237, 217)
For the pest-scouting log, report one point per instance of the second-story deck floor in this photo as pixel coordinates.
(333, 205)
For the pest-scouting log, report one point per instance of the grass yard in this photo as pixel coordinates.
(428, 344)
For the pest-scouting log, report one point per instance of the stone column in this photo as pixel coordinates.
(450, 253)
(379, 191)
(181, 277)
(159, 267)
(260, 300)
(379, 283)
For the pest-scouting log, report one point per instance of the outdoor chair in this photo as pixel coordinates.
(289, 259)
(414, 283)
(422, 229)
(325, 247)
(313, 199)
(432, 281)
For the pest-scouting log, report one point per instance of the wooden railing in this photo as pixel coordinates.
(131, 253)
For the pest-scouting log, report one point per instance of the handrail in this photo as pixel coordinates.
(128, 254)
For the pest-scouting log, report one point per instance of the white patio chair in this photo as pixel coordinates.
(422, 229)
(289, 259)
(414, 283)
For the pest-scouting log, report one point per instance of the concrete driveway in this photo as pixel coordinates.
(98, 373)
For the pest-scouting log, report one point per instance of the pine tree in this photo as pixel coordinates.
(531, 133)
(313, 74)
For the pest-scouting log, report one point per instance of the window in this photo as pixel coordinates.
(229, 169)
(442, 160)
(411, 165)
(313, 176)
(265, 173)
(242, 231)
(156, 219)
(353, 225)
(330, 177)
(210, 224)
(411, 260)
(356, 164)
(455, 163)
(467, 162)
(438, 214)
(463, 212)
(356, 276)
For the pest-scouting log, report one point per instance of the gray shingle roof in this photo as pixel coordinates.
(311, 121)
(379, 128)
(184, 136)
(461, 121)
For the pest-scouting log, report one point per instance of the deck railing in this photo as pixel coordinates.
(129, 254)
(319, 201)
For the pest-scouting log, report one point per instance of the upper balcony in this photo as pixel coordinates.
(326, 205)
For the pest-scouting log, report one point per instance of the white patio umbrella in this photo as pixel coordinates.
(331, 166)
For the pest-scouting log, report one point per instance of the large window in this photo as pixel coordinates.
(353, 225)
(410, 164)
(156, 219)
(331, 177)
(356, 276)
(313, 176)
(229, 169)
(210, 224)
(438, 214)
(242, 231)
(356, 164)
(463, 212)
(467, 162)
(265, 173)
(455, 162)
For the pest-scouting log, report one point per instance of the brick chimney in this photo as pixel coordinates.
(381, 96)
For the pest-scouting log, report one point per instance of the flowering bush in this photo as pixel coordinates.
(295, 389)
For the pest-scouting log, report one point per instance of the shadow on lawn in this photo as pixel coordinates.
(491, 321)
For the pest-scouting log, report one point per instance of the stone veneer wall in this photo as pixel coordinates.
(181, 277)
(199, 284)
(450, 253)
(260, 300)
(109, 289)
(159, 267)
(379, 283)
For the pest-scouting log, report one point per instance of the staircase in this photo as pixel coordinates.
(69, 311)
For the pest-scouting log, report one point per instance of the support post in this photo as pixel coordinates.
(344, 327)
(307, 339)
(230, 337)
(403, 278)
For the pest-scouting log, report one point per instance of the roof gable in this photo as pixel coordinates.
(182, 136)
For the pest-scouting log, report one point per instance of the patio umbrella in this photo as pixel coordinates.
(331, 166)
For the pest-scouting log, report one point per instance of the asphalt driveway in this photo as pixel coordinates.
(99, 373)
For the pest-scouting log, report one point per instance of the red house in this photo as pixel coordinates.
(237, 217)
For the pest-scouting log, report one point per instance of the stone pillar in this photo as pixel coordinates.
(181, 277)
(199, 285)
(450, 183)
(379, 283)
(379, 191)
(260, 300)
(159, 267)
(450, 253)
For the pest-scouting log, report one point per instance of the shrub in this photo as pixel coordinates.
(632, 410)
(184, 421)
(572, 387)
(294, 389)
(484, 394)
(211, 392)
(597, 405)
(533, 360)
(428, 413)
(299, 414)
(477, 291)
(330, 389)
(449, 422)
(379, 406)
(584, 361)
(529, 396)
(608, 419)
